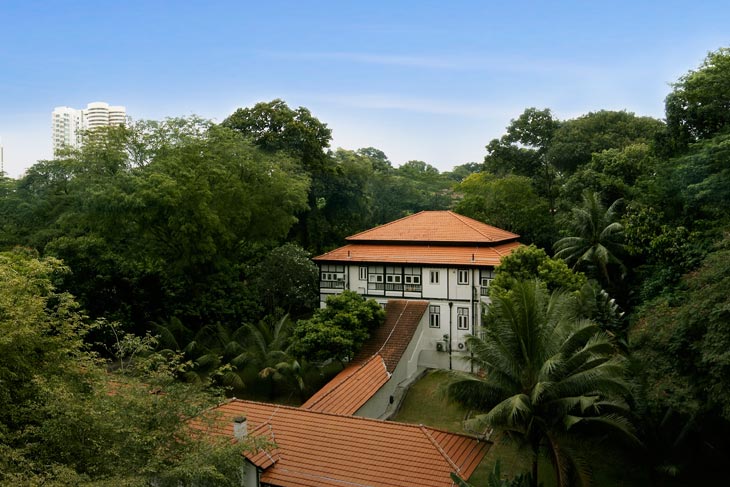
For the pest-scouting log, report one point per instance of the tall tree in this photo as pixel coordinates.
(546, 378)
(576, 140)
(509, 202)
(275, 127)
(522, 150)
(699, 105)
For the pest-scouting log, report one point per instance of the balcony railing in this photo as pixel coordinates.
(380, 286)
(332, 284)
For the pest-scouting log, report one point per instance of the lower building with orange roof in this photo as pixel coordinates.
(305, 448)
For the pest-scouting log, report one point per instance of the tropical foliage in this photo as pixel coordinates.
(547, 379)
(595, 243)
(195, 237)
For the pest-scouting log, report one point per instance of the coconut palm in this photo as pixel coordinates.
(269, 354)
(596, 241)
(544, 378)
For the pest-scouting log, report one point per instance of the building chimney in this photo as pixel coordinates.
(240, 427)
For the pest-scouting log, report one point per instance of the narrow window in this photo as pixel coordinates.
(363, 273)
(435, 277)
(434, 316)
(463, 276)
(462, 318)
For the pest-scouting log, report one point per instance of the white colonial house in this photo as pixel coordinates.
(440, 257)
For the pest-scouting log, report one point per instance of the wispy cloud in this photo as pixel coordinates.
(456, 62)
(434, 106)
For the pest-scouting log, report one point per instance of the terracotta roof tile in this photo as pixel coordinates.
(435, 226)
(351, 388)
(419, 254)
(391, 339)
(320, 449)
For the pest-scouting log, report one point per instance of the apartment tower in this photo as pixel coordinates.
(68, 123)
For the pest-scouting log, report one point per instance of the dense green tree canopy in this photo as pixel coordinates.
(530, 262)
(577, 139)
(65, 420)
(508, 202)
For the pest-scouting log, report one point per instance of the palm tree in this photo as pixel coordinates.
(269, 353)
(544, 377)
(596, 243)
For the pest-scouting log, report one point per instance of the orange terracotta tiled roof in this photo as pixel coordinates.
(391, 338)
(317, 449)
(420, 254)
(349, 390)
(435, 226)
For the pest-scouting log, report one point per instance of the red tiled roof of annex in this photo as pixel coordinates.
(316, 449)
(349, 390)
(435, 226)
(391, 339)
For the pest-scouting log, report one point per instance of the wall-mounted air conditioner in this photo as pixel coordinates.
(461, 346)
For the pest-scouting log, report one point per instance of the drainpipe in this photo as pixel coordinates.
(451, 331)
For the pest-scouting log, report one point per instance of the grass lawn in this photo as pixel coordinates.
(426, 404)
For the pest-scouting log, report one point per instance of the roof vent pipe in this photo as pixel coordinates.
(240, 427)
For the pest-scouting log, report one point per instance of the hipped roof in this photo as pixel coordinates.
(315, 449)
(436, 227)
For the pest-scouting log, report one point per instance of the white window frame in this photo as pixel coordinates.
(434, 316)
(462, 318)
(363, 273)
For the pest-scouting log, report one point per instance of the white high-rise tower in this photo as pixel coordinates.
(69, 123)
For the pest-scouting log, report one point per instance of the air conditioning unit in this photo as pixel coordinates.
(461, 346)
(440, 346)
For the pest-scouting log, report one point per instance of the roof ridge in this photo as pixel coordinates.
(346, 378)
(385, 224)
(395, 325)
(441, 450)
(348, 416)
(463, 219)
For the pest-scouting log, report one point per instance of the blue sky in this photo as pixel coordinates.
(434, 81)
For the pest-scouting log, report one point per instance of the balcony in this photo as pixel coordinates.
(409, 288)
(332, 284)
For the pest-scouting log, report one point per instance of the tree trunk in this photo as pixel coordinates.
(534, 482)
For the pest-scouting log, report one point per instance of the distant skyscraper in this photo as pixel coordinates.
(2, 159)
(69, 123)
